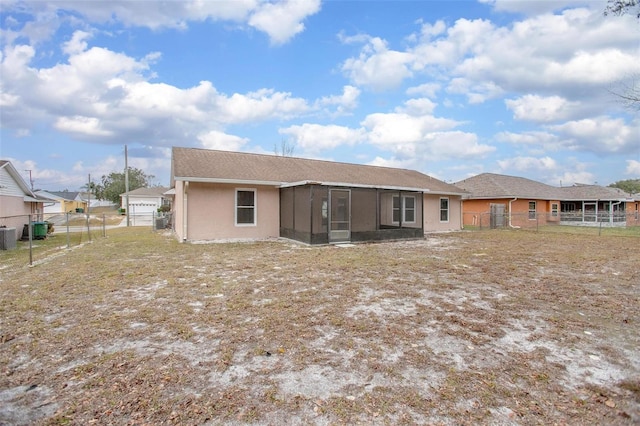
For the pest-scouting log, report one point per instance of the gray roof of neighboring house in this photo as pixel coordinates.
(491, 185)
(153, 191)
(67, 195)
(595, 192)
(191, 164)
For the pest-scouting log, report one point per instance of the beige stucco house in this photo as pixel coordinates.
(223, 195)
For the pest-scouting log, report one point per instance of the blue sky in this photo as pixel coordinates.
(449, 88)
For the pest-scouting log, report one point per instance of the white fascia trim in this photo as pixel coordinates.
(354, 185)
(230, 181)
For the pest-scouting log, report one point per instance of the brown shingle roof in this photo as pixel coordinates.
(219, 166)
(490, 185)
(594, 192)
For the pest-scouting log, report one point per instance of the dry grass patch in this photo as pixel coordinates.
(464, 328)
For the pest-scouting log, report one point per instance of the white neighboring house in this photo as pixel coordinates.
(17, 201)
(144, 201)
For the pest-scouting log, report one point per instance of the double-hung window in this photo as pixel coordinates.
(532, 209)
(444, 210)
(554, 209)
(245, 207)
(409, 209)
(405, 209)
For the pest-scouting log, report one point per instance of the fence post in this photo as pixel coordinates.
(104, 226)
(88, 227)
(68, 244)
(30, 242)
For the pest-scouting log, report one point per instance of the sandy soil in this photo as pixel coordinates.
(496, 327)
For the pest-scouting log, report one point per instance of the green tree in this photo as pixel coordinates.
(113, 184)
(631, 186)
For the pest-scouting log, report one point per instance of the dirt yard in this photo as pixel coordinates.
(494, 327)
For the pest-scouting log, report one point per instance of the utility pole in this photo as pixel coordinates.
(30, 179)
(126, 182)
(89, 191)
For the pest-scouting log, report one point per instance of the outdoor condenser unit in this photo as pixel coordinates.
(7, 238)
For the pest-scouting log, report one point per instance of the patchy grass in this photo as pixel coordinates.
(465, 328)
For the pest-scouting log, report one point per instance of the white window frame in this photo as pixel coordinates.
(555, 209)
(255, 206)
(403, 209)
(448, 209)
(394, 209)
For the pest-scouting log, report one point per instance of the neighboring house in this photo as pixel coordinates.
(17, 201)
(144, 201)
(496, 200)
(61, 202)
(222, 195)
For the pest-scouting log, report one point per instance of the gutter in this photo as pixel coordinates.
(510, 225)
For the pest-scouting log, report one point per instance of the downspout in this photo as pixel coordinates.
(510, 225)
(184, 210)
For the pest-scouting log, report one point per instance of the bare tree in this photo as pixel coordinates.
(622, 7)
(286, 148)
(628, 90)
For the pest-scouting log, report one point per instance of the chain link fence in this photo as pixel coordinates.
(28, 239)
(613, 223)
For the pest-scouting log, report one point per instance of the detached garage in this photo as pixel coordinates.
(144, 201)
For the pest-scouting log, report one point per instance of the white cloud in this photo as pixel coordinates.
(280, 20)
(100, 93)
(425, 137)
(542, 109)
(87, 126)
(574, 176)
(215, 139)
(313, 138)
(601, 134)
(535, 139)
(347, 101)
(427, 89)
(528, 164)
(535, 7)
(401, 128)
(377, 66)
(417, 107)
(633, 168)
(77, 43)
(283, 20)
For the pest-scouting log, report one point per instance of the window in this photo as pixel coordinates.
(532, 209)
(554, 209)
(409, 209)
(245, 206)
(444, 210)
(396, 209)
(405, 210)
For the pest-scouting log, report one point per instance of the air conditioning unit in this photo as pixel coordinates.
(7, 238)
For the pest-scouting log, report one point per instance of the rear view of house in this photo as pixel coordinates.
(230, 195)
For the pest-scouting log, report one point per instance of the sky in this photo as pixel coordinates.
(449, 88)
